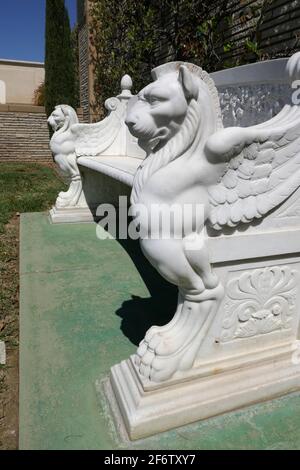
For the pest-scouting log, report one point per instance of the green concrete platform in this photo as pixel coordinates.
(85, 304)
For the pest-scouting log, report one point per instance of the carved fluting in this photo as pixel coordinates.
(259, 302)
(95, 139)
(247, 105)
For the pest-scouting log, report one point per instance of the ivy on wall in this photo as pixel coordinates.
(133, 36)
(123, 40)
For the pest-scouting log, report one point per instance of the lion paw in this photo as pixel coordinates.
(158, 368)
(162, 351)
(174, 347)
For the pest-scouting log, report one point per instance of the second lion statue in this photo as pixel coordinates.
(235, 174)
(63, 149)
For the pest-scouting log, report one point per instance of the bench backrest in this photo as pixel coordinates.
(253, 93)
(249, 94)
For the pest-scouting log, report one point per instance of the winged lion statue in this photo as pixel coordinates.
(236, 174)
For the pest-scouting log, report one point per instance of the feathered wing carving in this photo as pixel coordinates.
(94, 139)
(262, 168)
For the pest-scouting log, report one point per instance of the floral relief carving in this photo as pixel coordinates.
(247, 105)
(259, 302)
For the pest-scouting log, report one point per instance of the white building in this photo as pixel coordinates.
(19, 80)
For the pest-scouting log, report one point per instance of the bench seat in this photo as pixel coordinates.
(121, 168)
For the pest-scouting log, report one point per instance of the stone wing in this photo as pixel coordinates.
(262, 168)
(94, 139)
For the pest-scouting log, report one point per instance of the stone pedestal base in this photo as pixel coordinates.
(147, 412)
(250, 352)
(69, 215)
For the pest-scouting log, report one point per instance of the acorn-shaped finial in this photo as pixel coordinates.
(126, 85)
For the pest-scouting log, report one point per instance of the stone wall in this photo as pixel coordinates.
(24, 135)
(216, 35)
(254, 30)
(272, 27)
(84, 71)
(279, 31)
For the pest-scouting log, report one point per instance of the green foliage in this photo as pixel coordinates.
(75, 54)
(252, 46)
(133, 36)
(26, 187)
(60, 83)
(201, 37)
(80, 11)
(227, 47)
(39, 95)
(123, 39)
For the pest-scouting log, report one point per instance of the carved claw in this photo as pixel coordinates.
(71, 197)
(152, 332)
(155, 330)
(159, 368)
(174, 347)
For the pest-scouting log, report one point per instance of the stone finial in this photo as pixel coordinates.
(126, 86)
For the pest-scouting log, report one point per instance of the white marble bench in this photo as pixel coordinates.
(121, 168)
(101, 159)
(234, 338)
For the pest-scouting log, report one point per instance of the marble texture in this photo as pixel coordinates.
(77, 147)
(248, 95)
(242, 174)
(62, 145)
(231, 340)
(237, 268)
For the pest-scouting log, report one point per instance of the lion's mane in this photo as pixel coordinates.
(187, 140)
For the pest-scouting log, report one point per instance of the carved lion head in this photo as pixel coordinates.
(172, 117)
(162, 106)
(62, 117)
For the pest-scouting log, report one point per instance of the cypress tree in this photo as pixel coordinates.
(60, 80)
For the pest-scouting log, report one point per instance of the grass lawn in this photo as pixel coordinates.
(25, 187)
